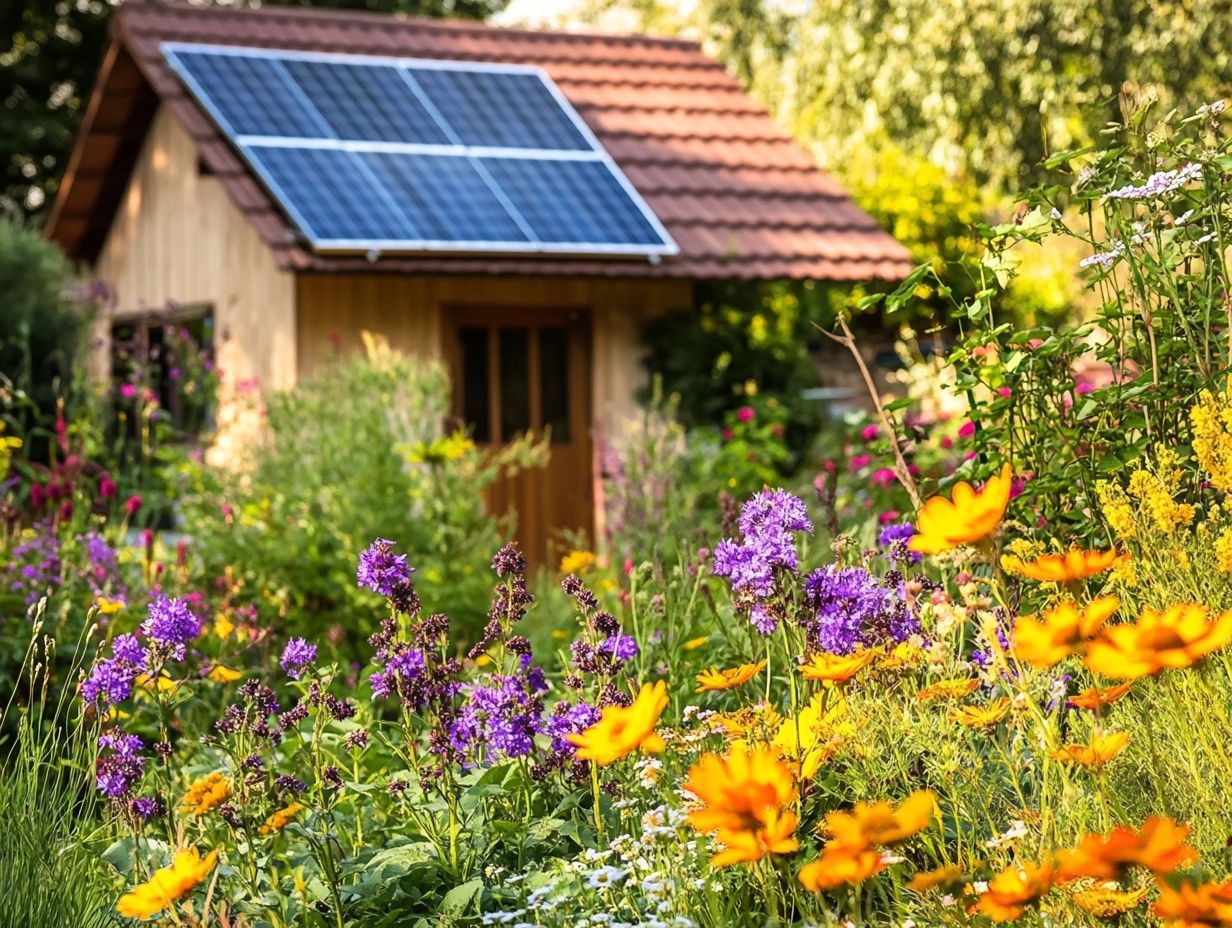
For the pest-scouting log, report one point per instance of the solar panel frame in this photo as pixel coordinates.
(174, 52)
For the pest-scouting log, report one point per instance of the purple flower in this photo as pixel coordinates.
(289, 784)
(34, 564)
(852, 608)
(895, 537)
(742, 566)
(568, 719)
(380, 570)
(119, 772)
(146, 807)
(171, 625)
(623, 648)
(113, 678)
(774, 511)
(296, 655)
(500, 720)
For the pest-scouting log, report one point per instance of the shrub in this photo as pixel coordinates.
(352, 454)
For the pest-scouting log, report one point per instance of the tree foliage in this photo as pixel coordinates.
(47, 69)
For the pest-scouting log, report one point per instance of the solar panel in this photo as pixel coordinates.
(396, 154)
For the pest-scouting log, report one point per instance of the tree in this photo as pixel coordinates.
(48, 69)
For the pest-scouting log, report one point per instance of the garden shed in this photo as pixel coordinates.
(516, 203)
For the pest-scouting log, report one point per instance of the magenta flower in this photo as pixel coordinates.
(746, 414)
(869, 433)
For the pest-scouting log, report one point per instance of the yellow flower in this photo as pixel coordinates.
(1223, 551)
(1117, 509)
(744, 798)
(967, 517)
(757, 723)
(835, 668)
(1102, 749)
(947, 689)
(108, 606)
(982, 716)
(903, 656)
(622, 730)
(1155, 490)
(821, 732)
(694, 643)
(1159, 846)
(1064, 630)
(223, 626)
(1208, 905)
(220, 674)
(1075, 564)
(1212, 437)
(1177, 637)
(725, 679)
(280, 819)
(164, 683)
(837, 866)
(577, 562)
(873, 823)
(205, 794)
(167, 885)
(1108, 901)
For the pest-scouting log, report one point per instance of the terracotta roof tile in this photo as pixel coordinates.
(741, 198)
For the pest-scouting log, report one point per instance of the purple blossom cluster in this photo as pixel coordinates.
(382, 571)
(102, 565)
(501, 719)
(895, 537)
(171, 625)
(119, 772)
(111, 679)
(34, 563)
(769, 523)
(297, 655)
(850, 607)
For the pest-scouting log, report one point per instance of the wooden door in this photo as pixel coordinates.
(518, 370)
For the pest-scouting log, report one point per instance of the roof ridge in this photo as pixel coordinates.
(428, 23)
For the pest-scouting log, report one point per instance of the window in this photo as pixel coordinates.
(166, 358)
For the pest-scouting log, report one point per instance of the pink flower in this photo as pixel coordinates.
(38, 495)
(869, 433)
(128, 390)
(181, 553)
(1004, 392)
(745, 414)
(913, 470)
(946, 442)
(1085, 387)
(1018, 485)
(890, 515)
(968, 456)
(859, 462)
(228, 513)
(66, 510)
(133, 504)
(883, 477)
(107, 487)
(147, 541)
(967, 429)
(727, 434)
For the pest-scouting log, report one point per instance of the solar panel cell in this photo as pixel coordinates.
(572, 201)
(371, 103)
(329, 195)
(499, 109)
(252, 96)
(445, 197)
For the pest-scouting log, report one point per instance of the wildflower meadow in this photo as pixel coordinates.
(970, 665)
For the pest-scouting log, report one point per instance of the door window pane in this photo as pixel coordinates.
(476, 410)
(514, 382)
(554, 381)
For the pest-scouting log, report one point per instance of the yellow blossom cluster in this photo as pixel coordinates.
(1211, 419)
(1151, 495)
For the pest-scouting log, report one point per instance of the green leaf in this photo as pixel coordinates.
(461, 898)
(1065, 157)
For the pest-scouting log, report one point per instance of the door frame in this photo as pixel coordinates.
(491, 314)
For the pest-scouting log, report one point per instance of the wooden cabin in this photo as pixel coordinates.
(171, 198)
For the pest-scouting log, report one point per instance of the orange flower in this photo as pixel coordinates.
(1159, 846)
(967, 517)
(835, 668)
(775, 836)
(1208, 905)
(280, 819)
(167, 884)
(1073, 565)
(947, 689)
(982, 716)
(837, 866)
(1101, 750)
(743, 796)
(206, 793)
(1177, 637)
(1063, 631)
(1096, 698)
(1013, 889)
(714, 679)
(622, 730)
(871, 823)
(925, 880)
